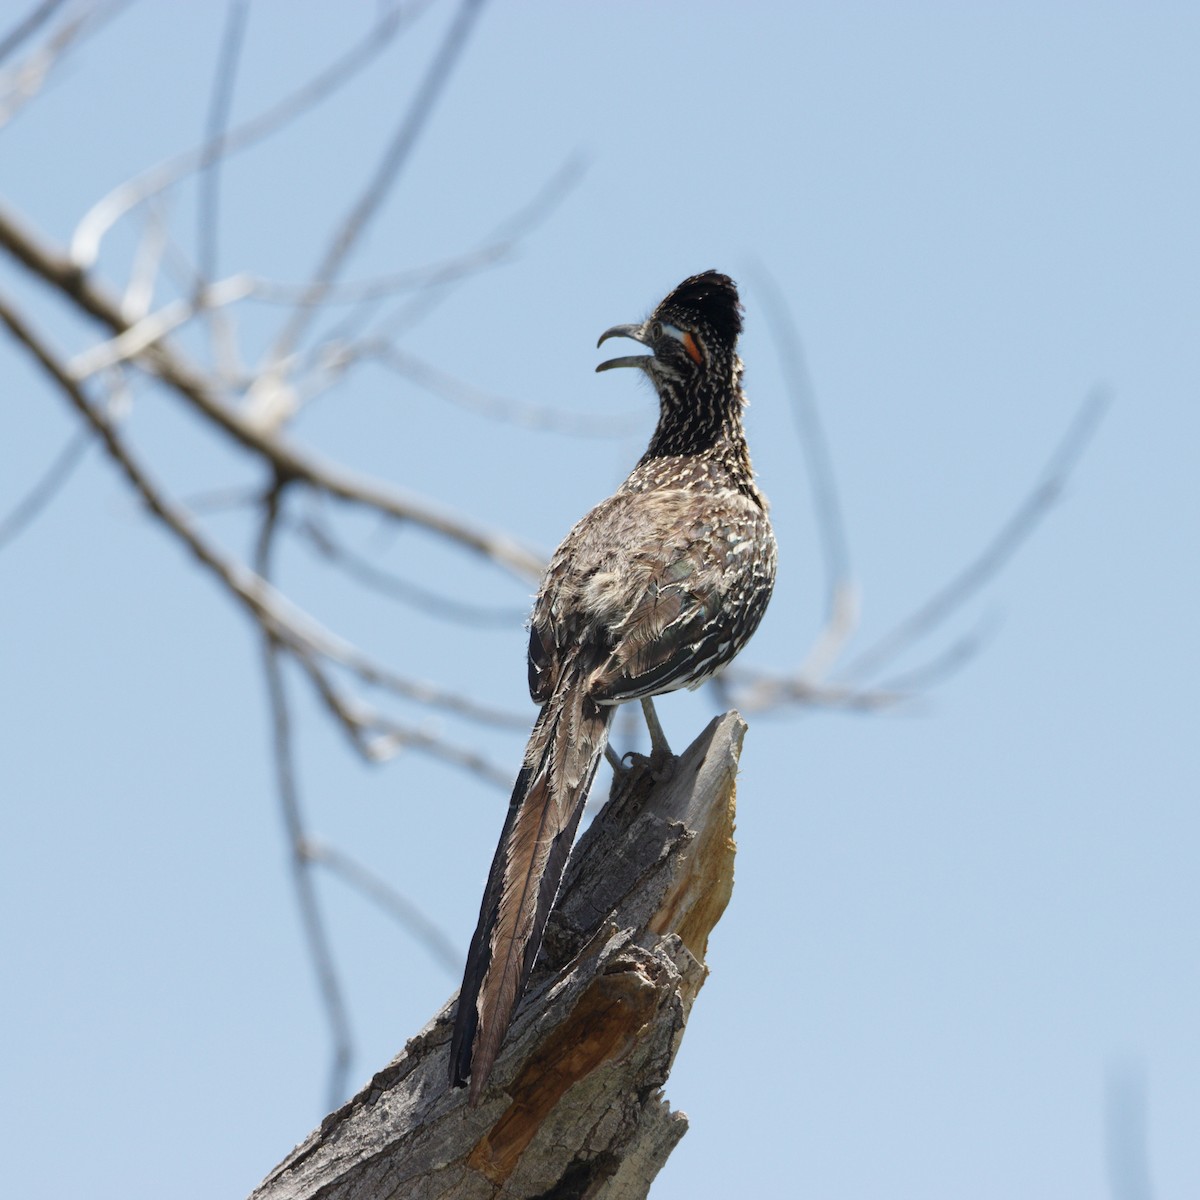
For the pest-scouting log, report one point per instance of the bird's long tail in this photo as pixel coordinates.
(564, 750)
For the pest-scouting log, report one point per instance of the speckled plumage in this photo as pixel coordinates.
(655, 589)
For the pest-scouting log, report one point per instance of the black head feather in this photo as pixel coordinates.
(709, 300)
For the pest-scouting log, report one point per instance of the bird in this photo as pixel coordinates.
(655, 589)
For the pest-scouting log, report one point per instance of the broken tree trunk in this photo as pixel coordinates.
(574, 1107)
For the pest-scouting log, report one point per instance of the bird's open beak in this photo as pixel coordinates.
(637, 332)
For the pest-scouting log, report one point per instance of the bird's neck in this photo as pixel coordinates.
(698, 431)
(704, 424)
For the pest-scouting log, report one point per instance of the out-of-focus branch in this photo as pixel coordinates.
(384, 287)
(154, 327)
(85, 244)
(329, 359)
(152, 246)
(51, 482)
(853, 685)
(213, 154)
(407, 915)
(306, 638)
(312, 919)
(842, 595)
(498, 408)
(999, 550)
(283, 456)
(378, 737)
(434, 604)
(20, 84)
(27, 26)
(395, 157)
(827, 504)
(507, 234)
(1126, 1143)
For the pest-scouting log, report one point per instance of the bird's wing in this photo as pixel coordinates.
(654, 589)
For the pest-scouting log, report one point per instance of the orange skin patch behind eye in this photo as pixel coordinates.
(689, 344)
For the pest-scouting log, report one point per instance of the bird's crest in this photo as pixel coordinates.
(709, 300)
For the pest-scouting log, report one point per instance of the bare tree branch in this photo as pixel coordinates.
(497, 408)
(21, 83)
(818, 681)
(395, 157)
(378, 737)
(315, 934)
(996, 554)
(433, 604)
(1126, 1143)
(51, 482)
(340, 348)
(85, 244)
(277, 615)
(827, 504)
(147, 260)
(27, 26)
(509, 232)
(842, 594)
(283, 456)
(213, 153)
(153, 328)
(408, 915)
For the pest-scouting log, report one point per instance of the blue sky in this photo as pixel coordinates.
(961, 932)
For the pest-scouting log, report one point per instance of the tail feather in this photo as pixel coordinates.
(561, 758)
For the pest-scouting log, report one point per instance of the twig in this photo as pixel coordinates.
(826, 502)
(941, 666)
(1125, 1142)
(432, 603)
(1042, 497)
(21, 83)
(512, 229)
(763, 692)
(339, 343)
(386, 173)
(283, 620)
(85, 243)
(377, 737)
(312, 920)
(52, 481)
(151, 329)
(407, 914)
(498, 408)
(147, 258)
(28, 25)
(499, 244)
(852, 688)
(283, 456)
(383, 287)
(842, 601)
(209, 174)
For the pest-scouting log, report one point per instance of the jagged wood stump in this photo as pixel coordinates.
(574, 1108)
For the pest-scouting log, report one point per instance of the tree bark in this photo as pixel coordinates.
(575, 1107)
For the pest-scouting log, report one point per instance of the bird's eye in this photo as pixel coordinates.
(656, 330)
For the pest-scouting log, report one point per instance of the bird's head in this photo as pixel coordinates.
(691, 335)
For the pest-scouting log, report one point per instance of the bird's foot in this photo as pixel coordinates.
(659, 764)
(660, 768)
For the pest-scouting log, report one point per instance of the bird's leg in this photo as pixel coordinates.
(631, 768)
(662, 761)
(614, 760)
(660, 751)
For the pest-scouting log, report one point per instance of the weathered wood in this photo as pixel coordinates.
(574, 1108)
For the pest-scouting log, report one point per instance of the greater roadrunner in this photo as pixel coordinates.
(655, 589)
